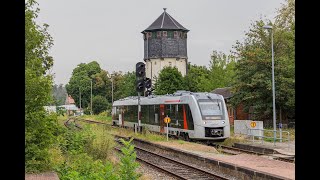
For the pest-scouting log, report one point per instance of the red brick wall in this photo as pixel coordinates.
(240, 114)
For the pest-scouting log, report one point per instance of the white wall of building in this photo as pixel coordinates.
(154, 66)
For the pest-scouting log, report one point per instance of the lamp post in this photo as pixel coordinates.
(112, 88)
(273, 87)
(80, 99)
(91, 98)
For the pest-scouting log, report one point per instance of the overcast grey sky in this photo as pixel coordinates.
(109, 32)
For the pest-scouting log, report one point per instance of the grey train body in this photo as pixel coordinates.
(199, 116)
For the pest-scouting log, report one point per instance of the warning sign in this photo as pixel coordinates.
(253, 124)
(167, 120)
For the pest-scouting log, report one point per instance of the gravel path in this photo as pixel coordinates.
(42, 176)
(150, 173)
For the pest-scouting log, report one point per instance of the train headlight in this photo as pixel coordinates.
(223, 122)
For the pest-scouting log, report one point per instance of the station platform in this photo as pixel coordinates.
(263, 164)
(283, 148)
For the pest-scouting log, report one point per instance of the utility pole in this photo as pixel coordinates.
(273, 89)
(91, 97)
(80, 99)
(112, 87)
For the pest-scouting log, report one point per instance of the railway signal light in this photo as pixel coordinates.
(140, 70)
(147, 83)
(140, 85)
(148, 92)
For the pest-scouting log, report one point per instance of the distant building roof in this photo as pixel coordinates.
(69, 100)
(165, 22)
(225, 92)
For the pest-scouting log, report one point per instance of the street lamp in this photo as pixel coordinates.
(111, 78)
(273, 87)
(91, 99)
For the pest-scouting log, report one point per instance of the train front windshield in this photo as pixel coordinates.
(211, 109)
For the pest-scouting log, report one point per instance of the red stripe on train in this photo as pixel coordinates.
(185, 124)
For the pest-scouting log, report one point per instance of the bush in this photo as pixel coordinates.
(99, 104)
(102, 145)
(128, 164)
(80, 166)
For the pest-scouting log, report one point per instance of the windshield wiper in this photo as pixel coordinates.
(214, 101)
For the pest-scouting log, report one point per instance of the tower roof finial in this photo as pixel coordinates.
(164, 9)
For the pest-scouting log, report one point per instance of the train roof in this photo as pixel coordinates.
(165, 99)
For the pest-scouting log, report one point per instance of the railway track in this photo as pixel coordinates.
(172, 167)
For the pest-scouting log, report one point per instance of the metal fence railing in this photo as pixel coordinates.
(264, 136)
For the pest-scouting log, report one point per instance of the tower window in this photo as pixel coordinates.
(148, 34)
(144, 36)
(164, 33)
(170, 64)
(154, 35)
(176, 34)
(155, 63)
(170, 34)
(159, 34)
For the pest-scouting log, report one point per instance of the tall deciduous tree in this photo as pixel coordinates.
(197, 79)
(127, 85)
(59, 94)
(40, 128)
(221, 70)
(169, 81)
(80, 81)
(253, 86)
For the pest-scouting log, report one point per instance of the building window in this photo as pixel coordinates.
(148, 35)
(176, 34)
(170, 64)
(144, 36)
(159, 34)
(164, 33)
(154, 35)
(170, 34)
(185, 35)
(155, 63)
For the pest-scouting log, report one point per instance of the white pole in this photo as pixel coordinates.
(167, 132)
(112, 88)
(80, 100)
(273, 93)
(91, 97)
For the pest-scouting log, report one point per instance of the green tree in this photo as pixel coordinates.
(221, 70)
(40, 128)
(169, 81)
(197, 79)
(253, 83)
(127, 85)
(99, 104)
(59, 94)
(81, 79)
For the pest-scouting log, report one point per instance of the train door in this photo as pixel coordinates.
(162, 124)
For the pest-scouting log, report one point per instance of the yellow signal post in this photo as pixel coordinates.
(167, 120)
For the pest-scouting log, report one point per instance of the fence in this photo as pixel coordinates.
(257, 131)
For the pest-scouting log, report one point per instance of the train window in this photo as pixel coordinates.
(211, 108)
(145, 114)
